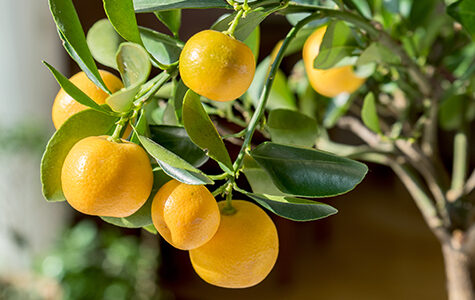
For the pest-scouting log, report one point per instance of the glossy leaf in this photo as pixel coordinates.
(154, 5)
(294, 209)
(464, 12)
(280, 95)
(245, 26)
(165, 49)
(81, 125)
(74, 41)
(74, 91)
(258, 178)
(174, 165)
(134, 67)
(308, 172)
(103, 41)
(143, 216)
(178, 95)
(175, 139)
(369, 114)
(292, 127)
(171, 19)
(122, 16)
(202, 132)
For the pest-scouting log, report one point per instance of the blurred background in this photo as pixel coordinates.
(377, 247)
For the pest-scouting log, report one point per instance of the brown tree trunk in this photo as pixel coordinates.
(458, 272)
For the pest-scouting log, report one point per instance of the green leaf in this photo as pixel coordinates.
(74, 41)
(74, 91)
(134, 67)
(141, 127)
(377, 53)
(202, 132)
(421, 13)
(177, 99)
(308, 172)
(292, 127)
(294, 209)
(159, 5)
(253, 41)
(174, 165)
(176, 140)
(151, 229)
(103, 41)
(81, 125)
(259, 180)
(369, 114)
(165, 49)
(337, 108)
(454, 110)
(122, 16)
(171, 19)
(334, 46)
(245, 26)
(142, 217)
(280, 95)
(464, 12)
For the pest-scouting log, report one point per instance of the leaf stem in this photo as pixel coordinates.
(234, 23)
(266, 91)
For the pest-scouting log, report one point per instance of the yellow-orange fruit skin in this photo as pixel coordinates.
(217, 66)
(65, 106)
(186, 216)
(104, 178)
(243, 251)
(330, 82)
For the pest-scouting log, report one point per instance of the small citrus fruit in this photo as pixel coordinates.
(217, 66)
(104, 178)
(65, 106)
(186, 216)
(330, 82)
(243, 251)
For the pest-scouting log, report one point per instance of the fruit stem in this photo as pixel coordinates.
(229, 209)
(266, 90)
(234, 23)
(115, 137)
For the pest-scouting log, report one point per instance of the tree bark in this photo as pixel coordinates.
(458, 266)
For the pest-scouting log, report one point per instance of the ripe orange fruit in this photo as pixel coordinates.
(330, 82)
(65, 106)
(104, 178)
(186, 216)
(217, 66)
(243, 251)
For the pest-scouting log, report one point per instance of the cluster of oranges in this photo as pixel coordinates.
(105, 177)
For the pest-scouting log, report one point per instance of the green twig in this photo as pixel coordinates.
(266, 91)
(460, 164)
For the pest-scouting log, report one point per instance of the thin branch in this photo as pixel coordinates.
(470, 184)
(372, 139)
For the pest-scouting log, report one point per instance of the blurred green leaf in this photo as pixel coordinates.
(103, 41)
(74, 41)
(334, 46)
(74, 91)
(369, 114)
(464, 12)
(253, 42)
(456, 110)
(308, 172)
(421, 12)
(81, 125)
(280, 95)
(377, 53)
(122, 16)
(294, 209)
(174, 165)
(176, 140)
(171, 19)
(142, 6)
(292, 127)
(202, 132)
(337, 108)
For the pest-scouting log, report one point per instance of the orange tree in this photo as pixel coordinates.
(396, 74)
